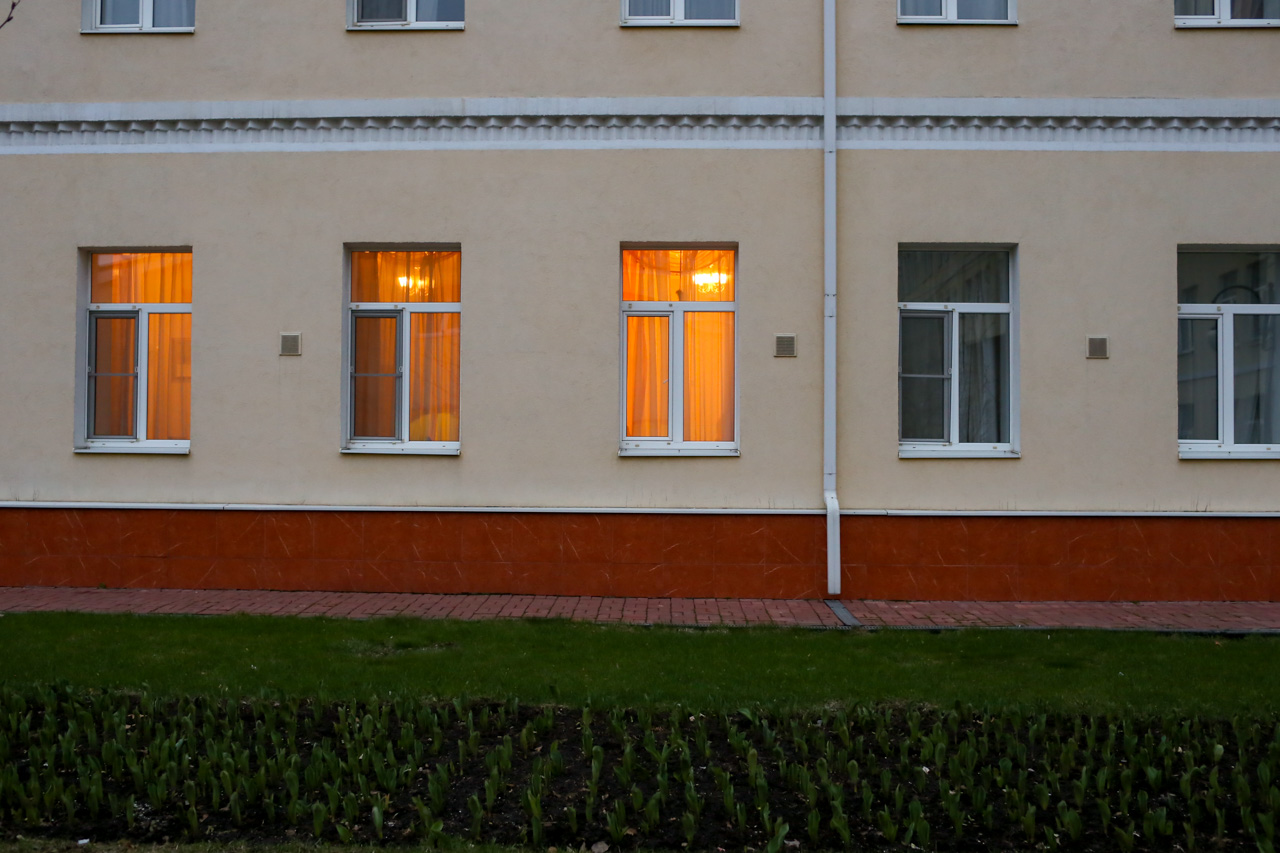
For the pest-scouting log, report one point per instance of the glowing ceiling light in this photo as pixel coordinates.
(708, 282)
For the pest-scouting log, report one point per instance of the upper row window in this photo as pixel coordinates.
(957, 11)
(171, 16)
(690, 13)
(407, 14)
(1230, 13)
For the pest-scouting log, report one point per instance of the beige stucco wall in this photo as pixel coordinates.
(540, 235)
(300, 49)
(1061, 48)
(1097, 237)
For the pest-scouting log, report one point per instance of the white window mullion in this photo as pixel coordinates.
(675, 372)
(1226, 377)
(141, 347)
(402, 371)
(950, 10)
(953, 386)
(677, 10)
(147, 14)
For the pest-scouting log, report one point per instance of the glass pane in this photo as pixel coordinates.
(648, 377)
(376, 378)
(924, 345)
(649, 8)
(984, 378)
(406, 276)
(121, 13)
(678, 275)
(1257, 379)
(710, 10)
(982, 10)
(441, 11)
(113, 377)
(136, 278)
(925, 8)
(1193, 7)
(708, 376)
(946, 276)
(1229, 278)
(433, 377)
(169, 377)
(1198, 380)
(1255, 9)
(923, 409)
(374, 11)
(174, 13)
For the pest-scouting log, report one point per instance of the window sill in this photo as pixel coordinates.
(1195, 24)
(638, 23)
(138, 447)
(396, 28)
(1192, 451)
(417, 449)
(957, 451)
(678, 450)
(936, 21)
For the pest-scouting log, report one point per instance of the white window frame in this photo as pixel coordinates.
(1221, 17)
(91, 20)
(673, 444)
(403, 312)
(677, 17)
(947, 448)
(950, 15)
(141, 311)
(1224, 446)
(410, 22)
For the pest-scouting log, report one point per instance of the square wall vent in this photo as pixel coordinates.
(784, 346)
(291, 343)
(1099, 348)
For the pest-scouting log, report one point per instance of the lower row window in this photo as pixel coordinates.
(679, 362)
(1240, 13)
(139, 352)
(1228, 358)
(405, 330)
(955, 364)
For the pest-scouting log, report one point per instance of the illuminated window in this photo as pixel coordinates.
(679, 357)
(1229, 354)
(124, 16)
(688, 13)
(403, 338)
(956, 353)
(406, 14)
(957, 11)
(137, 379)
(1226, 13)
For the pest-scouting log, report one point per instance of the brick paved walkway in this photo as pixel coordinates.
(1261, 617)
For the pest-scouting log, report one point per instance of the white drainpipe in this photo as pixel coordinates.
(830, 269)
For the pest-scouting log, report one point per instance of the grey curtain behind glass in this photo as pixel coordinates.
(924, 8)
(982, 10)
(959, 276)
(1254, 9)
(710, 10)
(1257, 379)
(1193, 7)
(649, 8)
(174, 13)
(984, 379)
(381, 10)
(441, 11)
(121, 13)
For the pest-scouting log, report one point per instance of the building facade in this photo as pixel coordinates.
(943, 299)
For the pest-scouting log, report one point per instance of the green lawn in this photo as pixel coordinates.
(572, 663)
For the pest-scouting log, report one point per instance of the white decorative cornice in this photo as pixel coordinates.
(1107, 124)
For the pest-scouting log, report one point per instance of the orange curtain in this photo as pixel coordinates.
(145, 277)
(114, 376)
(375, 377)
(433, 376)
(406, 276)
(678, 275)
(708, 376)
(169, 377)
(648, 377)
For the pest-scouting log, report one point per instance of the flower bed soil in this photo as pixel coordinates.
(109, 767)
